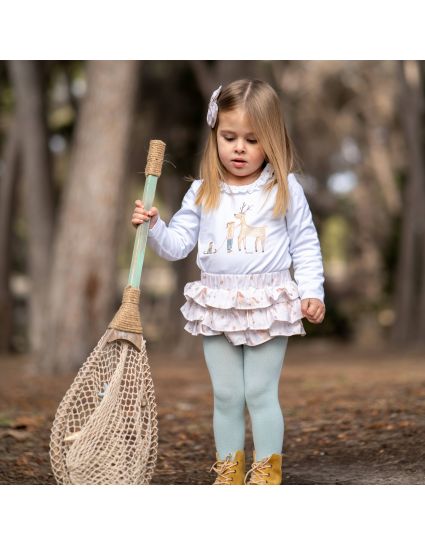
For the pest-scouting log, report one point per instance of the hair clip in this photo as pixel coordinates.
(213, 108)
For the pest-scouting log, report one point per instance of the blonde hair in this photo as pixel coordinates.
(262, 107)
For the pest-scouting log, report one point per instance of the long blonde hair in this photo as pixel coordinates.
(262, 107)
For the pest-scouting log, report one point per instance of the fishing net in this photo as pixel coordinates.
(105, 430)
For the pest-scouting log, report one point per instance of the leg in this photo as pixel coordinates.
(262, 369)
(225, 365)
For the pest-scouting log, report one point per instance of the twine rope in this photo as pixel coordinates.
(155, 158)
(128, 316)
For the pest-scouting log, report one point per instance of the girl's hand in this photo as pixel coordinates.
(313, 309)
(141, 215)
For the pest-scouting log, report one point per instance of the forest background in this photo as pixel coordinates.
(73, 143)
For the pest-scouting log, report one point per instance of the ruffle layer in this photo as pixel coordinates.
(249, 337)
(239, 320)
(246, 315)
(240, 298)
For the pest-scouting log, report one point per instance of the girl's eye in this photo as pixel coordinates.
(230, 138)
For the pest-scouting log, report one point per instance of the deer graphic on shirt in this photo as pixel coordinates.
(259, 233)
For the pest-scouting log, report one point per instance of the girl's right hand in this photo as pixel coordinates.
(140, 215)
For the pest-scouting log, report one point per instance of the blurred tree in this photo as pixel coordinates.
(376, 197)
(83, 280)
(409, 327)
(30, 95)
(337, 131)
(7, 197)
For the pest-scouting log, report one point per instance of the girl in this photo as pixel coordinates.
(251, 221)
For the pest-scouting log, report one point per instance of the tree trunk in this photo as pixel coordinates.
(31, 113)
(409, 327)
(83, 280)
(7, 197)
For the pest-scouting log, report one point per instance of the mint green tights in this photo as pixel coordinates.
(248, 374)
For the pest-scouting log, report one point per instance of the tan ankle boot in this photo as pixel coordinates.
(266, 471)
(230, 471)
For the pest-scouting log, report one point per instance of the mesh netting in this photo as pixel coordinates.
(105, 430)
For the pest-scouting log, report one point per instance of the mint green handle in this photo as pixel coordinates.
(152, 171)
(139, 248)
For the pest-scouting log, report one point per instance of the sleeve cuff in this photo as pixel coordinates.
(156, 228)
(310, 294)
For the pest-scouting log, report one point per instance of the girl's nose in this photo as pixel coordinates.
(239, 145)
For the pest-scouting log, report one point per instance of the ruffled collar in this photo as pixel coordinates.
(264, 177)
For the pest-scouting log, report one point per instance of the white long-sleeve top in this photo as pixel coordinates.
(242, 237)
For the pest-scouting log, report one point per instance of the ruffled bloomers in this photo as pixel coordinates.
(248, 308)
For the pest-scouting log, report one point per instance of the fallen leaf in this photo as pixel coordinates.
(19, 435)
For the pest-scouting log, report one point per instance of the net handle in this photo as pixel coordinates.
(152, 171)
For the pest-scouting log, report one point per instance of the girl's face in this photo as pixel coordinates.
(238, 148)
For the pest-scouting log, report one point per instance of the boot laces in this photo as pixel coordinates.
(224, 470)
(258, 470)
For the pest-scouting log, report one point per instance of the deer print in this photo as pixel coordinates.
(249, 230)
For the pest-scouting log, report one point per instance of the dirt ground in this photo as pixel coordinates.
(351, 417)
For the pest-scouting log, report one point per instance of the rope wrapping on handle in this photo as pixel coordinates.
(127, 317)
(155, 158)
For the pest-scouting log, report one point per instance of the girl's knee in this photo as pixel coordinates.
(229, 398)
(257, 397)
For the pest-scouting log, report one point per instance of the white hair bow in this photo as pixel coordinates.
(213, 108)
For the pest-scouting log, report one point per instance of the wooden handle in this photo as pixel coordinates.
(155, 158)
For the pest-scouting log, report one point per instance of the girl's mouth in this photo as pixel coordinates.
(238, 162)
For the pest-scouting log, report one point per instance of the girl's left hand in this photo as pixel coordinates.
(313, 309)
